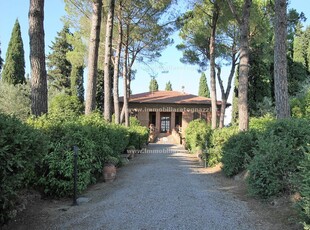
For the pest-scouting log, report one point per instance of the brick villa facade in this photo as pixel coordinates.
(169, 112)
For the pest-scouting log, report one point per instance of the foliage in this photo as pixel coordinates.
(14, 66)
(65, 106)
(1, 60)
(303, 181)
(15, 100)
(77, 81)
(96, 141)
(153, 85)
(277, 155)
(168, 86)
(138, 135)
(217, 141)
(21, 149)
(300, 104)
(203, 87)
(197, 134)
(237, 152)
(57, 62)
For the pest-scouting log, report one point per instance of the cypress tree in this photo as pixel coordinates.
(77, 88)
(59, 67)
(203, 87)
(153, 85)
(168, 86)
(14, 66)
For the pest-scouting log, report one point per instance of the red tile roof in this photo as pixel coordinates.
(168, 97)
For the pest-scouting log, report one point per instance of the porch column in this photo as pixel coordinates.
(158, 122)
(172, 121)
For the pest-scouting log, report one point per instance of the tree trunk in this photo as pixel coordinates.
(37, 58)
(116, 66)
(244, 68)
(280, 61)
(212, 68)
(107, 62)
(125, 76)
(94, 40)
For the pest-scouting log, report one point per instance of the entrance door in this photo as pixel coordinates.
(165, 122)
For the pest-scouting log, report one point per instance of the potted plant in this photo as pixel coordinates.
(109, 168)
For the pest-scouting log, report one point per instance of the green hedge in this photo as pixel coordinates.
(303, 183)
(217, 141)
(197, 134)
(238, 149)
(277, 156)
(96, 140)
(21, 149)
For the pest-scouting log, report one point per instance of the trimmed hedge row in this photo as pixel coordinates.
(40, 153)
(21, 150)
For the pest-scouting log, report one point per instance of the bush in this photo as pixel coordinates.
(95, 139)
(237, 152)
(277, 155)
(303, 182)
(238, 149)
(21, 148)
(138, 135)
(15, 100)
(217, 140)
(197, 134)
(64, 105)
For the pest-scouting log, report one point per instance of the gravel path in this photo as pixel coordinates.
(159, 189)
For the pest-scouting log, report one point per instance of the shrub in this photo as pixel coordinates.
(238, 149)
(138, 135)
(95, 139)
(197, 134)
(237, 152)
(15, 100)
(21, 148)
(304, 188)
(277, 156)
(217, 140)
(300, 104)
(64, 105)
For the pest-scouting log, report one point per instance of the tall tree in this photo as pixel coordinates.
(168, 86)
(117, 63)
(107, 62)
(59, 67)
(244, 24)
(203, 86)
(14, 67)
(153, 85)
(37, 58)
(90, 102)
(76, 58)
(280, 60)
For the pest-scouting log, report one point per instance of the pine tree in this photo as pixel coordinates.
(203, 87)
(14, 67)
(168, 86)
(37, 58)
(57, 62)
(153, 85)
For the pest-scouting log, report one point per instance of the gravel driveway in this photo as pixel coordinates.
(159, 189)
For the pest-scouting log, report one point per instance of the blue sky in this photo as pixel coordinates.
(178, 73)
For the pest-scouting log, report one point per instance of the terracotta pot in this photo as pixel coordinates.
(109, 173)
